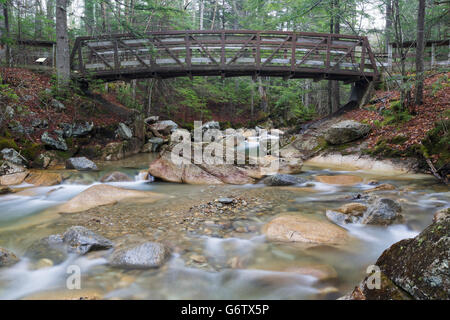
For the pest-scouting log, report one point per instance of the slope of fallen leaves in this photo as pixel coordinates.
(414, 130)
(30, 87)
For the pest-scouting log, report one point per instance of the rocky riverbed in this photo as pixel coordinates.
(273, 239)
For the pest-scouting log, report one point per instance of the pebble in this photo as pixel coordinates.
(224, 200)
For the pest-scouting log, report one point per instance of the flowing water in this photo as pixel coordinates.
(236, 261)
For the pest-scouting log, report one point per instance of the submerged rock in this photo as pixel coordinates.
(143, 256)
(81, 240)
(101, 194)
(381, 187)
(7, 258)
(81, 164)
(346, 131)
(297, 228)
(282, 180)
(340, 180)
(383, 211)
(51, 247)
(115, 176)
(416, 268)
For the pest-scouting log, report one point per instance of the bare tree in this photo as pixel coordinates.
(419, 52)
(62, 44)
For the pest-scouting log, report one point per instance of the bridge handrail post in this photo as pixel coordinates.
(116, 55)
(293, 53)
(327, 63)
(258, 50)
(222, 55)
(188, 50)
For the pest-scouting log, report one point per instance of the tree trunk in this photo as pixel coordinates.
(335, 92)
(419, 52)
(50, 7)
(262, 95)
(201, 13)
(89, 17)
(4, 34)
(38, 14)
(62, 44)
(388, 27)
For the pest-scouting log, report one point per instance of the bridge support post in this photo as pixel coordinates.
(361, 93)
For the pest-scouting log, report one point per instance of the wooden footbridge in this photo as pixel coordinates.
(226, 53)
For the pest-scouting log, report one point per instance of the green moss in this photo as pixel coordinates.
(399, 139)
(31, 150)
(64, 154)
(321, 144)
(382, 149)
(437, 143)
(8, 143)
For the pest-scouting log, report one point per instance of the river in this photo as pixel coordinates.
(215, 254)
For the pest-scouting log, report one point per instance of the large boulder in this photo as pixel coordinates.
(211, 125)
(165, 169)
(193, 174)
(12, 156)
(10, 168)
(282, 180)
(164, 127)
(298, 228)
(416, 268)
(82, 129)
(57, 142)
(228, 173)
(81, 240)
(12, 174)
(7, 258)
(123, 132)
(115, 176)
(78, 129)
(346, 131)
(143, 256)
(101, 194)
(44, 178)
(81, 164)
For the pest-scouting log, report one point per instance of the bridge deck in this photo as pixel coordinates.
(225, 53)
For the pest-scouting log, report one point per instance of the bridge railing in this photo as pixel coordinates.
(227, 53)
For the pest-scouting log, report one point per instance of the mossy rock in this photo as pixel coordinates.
(8, 143)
